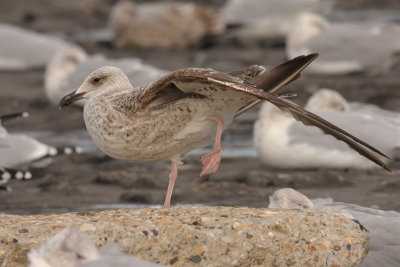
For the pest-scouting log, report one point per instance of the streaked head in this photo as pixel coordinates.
(104, 78)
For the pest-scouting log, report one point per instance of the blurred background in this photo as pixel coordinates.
(47, 47)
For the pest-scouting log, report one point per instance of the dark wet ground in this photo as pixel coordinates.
(73, 181)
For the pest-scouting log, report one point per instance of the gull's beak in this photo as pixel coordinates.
(70, 98)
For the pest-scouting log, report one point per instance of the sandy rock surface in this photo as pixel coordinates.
(200, 236)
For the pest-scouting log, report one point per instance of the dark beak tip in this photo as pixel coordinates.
(63, 102)
(69, 99)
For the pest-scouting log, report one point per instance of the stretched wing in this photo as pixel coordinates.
(166, 90)
(187, 80)
(275, 78)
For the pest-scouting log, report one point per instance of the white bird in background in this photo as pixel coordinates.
(284, 143)
(383, 225)
(345, 47)
(18, 149)
(71, 65)
(268, 18)
(22, 49)
(73, 248)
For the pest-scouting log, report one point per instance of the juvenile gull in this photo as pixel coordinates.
(296, 146)
(184, 110)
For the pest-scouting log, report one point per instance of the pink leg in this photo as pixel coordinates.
(172, 178)
(211, 161)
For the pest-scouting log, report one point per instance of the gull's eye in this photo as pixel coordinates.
(96, 80)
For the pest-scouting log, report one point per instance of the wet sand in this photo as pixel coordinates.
(73, 181)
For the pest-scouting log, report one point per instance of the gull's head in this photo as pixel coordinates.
(327, 99)
(102, 79)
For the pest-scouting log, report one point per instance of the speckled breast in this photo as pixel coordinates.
(165, 134)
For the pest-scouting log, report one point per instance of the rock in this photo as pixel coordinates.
(383, 225)
(200, 236)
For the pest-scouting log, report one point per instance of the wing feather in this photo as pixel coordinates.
(270, 80)
(279, 76)
(283, 74)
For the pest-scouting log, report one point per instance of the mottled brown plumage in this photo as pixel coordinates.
(185, 109)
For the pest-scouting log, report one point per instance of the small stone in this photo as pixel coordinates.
(281, 228)
(174, 260)
(155, 232)
(271, 234)
(236, 225)
(290, 262)
(336, 248)
(195, 259)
